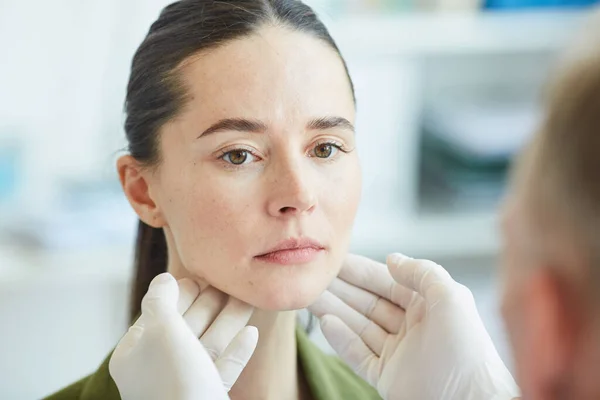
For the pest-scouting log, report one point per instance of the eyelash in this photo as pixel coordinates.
(337, 145)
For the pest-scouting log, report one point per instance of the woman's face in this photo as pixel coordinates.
(262, 157)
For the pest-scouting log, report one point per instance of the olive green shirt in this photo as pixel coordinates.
(327, 376)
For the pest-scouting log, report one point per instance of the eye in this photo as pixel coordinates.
(326, 150)
(238, 157)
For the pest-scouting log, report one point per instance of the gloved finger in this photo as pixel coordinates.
(351, 348)
(228, 323)
(188, 292)
(204, 310)
(383, 312)
(161, 298)
(372, 334)
(235, 357)
(425, 277)
(374, 277)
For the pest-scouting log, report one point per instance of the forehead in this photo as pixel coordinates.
(273, 74)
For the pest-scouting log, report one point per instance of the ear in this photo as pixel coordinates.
(136, 185)
(549, 328)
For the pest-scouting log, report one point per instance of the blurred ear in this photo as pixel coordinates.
(548, 329)
(137, 188)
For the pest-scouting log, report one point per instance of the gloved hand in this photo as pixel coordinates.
(161, 357)
(412, 332)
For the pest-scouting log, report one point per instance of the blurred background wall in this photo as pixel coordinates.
(448, 91)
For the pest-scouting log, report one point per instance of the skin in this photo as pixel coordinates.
(551, 323)
(218, 216)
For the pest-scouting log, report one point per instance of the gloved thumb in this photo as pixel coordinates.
(162, 296)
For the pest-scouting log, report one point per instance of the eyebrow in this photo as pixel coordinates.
(255, 126)
(235, 124)
(325, 123)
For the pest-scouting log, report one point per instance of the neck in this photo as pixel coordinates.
(272, 372)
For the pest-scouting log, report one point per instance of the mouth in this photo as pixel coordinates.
(292, 251)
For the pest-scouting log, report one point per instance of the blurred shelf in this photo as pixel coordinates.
(428, 236)
(456, 33)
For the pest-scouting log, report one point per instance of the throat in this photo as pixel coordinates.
(273, 372)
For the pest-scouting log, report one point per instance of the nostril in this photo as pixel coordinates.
(286, 210)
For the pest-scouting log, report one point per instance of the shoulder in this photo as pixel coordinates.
(97, 386)
(71, 392)
(328, 377)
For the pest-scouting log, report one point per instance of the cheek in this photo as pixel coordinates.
(339, 200)
(209, 221)
(510, 304)
(515, 322)
(508, 315)
(510, 279)
(341, 195)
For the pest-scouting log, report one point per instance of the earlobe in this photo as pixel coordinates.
(550, 326)
(136, 186)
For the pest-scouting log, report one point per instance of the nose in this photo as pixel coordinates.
(292, 191)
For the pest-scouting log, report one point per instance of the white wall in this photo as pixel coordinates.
(53, 335)
(63, 72)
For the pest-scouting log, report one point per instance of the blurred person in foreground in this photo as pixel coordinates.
(551, 275)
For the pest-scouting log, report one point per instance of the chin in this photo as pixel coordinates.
(289, 292)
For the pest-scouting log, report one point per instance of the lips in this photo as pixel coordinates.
(293, 251)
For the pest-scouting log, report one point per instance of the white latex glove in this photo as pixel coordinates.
(412, 332)
(160, 357)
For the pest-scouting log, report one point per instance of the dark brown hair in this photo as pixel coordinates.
(156, 94)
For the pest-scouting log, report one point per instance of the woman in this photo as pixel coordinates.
(243, 171)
